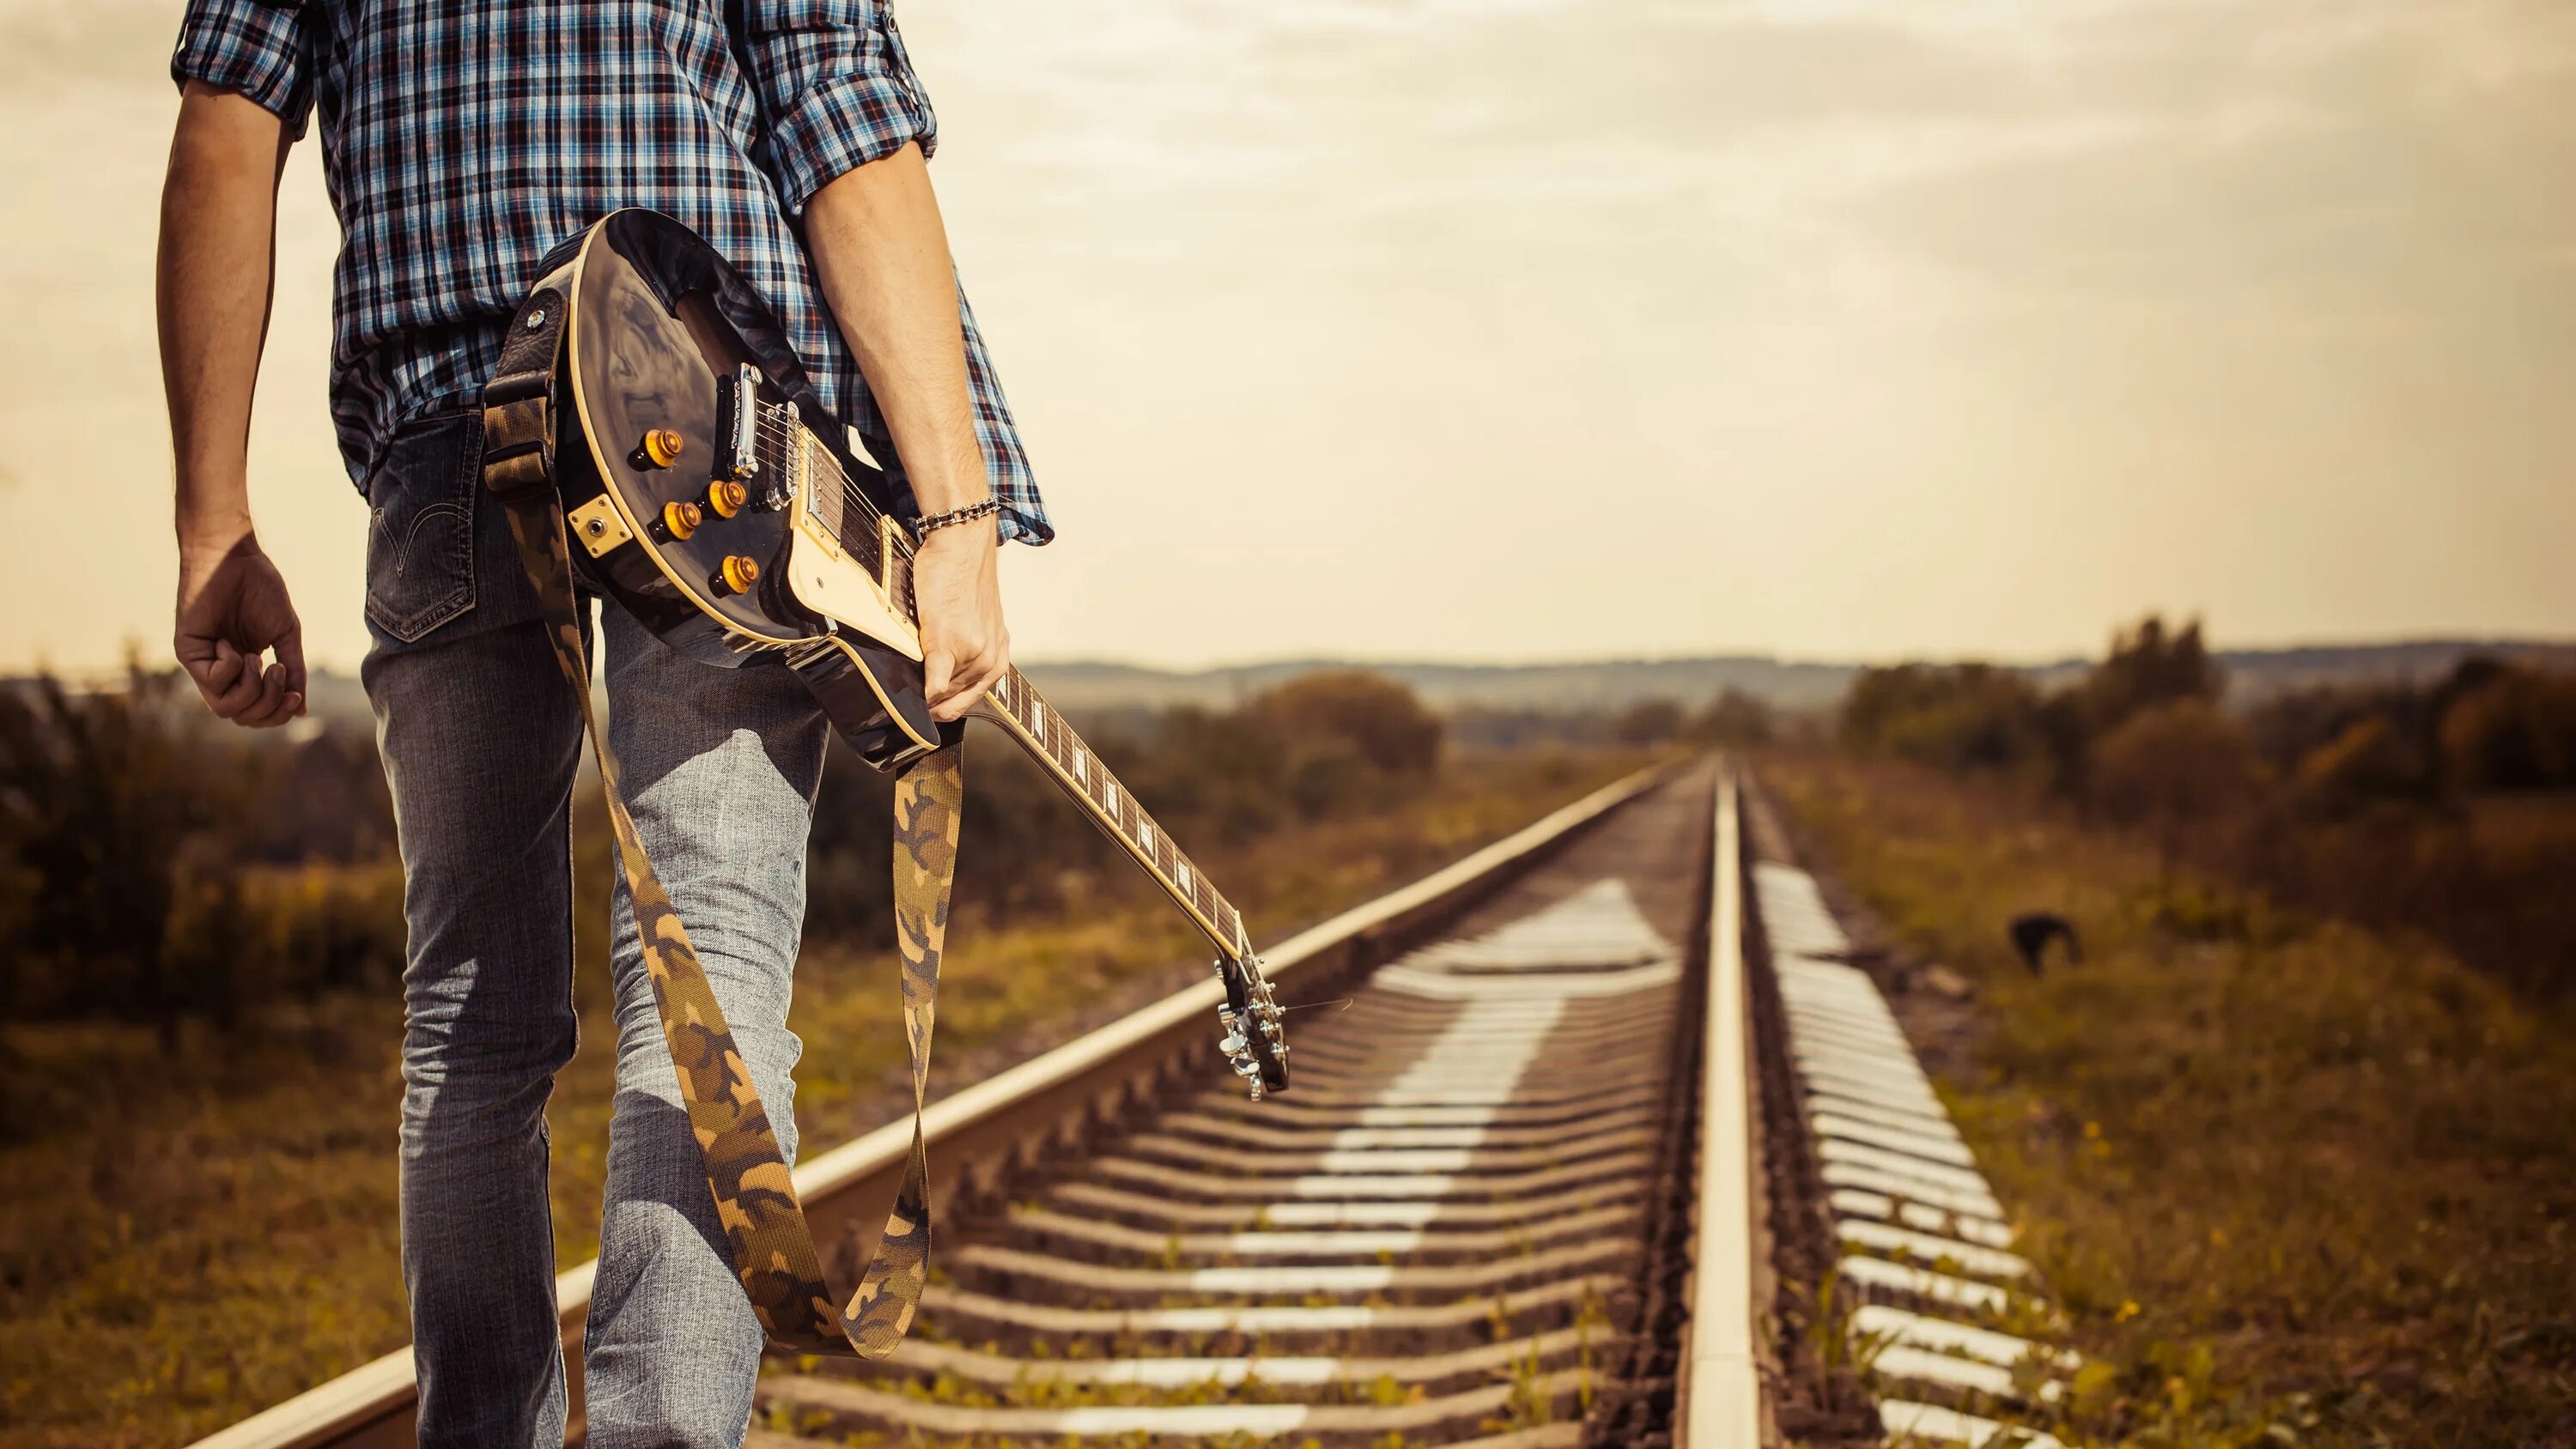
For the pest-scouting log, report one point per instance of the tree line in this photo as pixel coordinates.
(2447, 805)
(157, 867)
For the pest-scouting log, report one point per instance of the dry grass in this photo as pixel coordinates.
(186, 1240)
(2296, 1182)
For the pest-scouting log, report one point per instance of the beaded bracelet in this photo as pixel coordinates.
(968, 514)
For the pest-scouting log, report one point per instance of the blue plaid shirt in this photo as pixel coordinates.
(462, 141)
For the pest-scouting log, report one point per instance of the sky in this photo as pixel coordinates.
(1562, 329)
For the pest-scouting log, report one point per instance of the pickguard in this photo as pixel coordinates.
(831, 581)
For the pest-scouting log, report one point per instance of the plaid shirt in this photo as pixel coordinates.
(462, 141)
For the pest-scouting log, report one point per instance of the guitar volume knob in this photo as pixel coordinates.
(661, 447)
(739, 573)
(726, 497)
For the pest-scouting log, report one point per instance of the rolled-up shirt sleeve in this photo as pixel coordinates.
(838, 88)
(839, 92)
(256, 49)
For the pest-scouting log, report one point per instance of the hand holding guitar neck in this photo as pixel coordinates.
(964, 644)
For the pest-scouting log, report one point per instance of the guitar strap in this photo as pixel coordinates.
(772, 1245)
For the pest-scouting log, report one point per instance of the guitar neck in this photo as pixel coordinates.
(1015, 705)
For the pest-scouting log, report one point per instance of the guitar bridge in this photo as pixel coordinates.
(738, 422)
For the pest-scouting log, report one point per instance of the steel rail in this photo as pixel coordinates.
(1718, 1401)
(978, 1133)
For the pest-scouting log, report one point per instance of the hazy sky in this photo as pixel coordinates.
(1532, 328)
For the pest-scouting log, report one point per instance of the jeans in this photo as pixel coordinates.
(481, 740)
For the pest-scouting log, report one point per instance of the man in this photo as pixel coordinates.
(462, 142)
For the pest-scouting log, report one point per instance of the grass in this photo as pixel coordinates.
(187, 1239)
(2294, 1181)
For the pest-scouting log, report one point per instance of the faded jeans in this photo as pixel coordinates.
(481, 740)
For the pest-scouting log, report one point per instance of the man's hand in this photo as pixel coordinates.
(964, 646)
(233, 608)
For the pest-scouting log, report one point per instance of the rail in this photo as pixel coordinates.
(1719, 1397)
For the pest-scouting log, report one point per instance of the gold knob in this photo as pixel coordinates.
(740, 573)
(682, 518)
(661, 447)
(727, 497)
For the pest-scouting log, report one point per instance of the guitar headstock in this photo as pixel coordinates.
(1256, 1031)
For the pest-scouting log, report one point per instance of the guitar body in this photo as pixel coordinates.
(660, 330)
(710, 493)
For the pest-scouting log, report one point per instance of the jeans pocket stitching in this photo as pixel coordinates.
(411, 626)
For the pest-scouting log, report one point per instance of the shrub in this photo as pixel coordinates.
(1648, 722)
(1377, 717)
(104, 798)
(2174, 764)
(2514, 731)
(1959, 717)
(2148, 666)
(1735, 718)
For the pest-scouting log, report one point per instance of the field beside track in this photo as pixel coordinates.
(2295, 1182)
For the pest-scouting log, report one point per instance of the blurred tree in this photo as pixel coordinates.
(1379, 718)
(1648, 722)
(328, 801)
(1477, 727)
(2510, 728)
(1216, 776)
(1735, 718)
(2369, 761)
(2171, 765)
(103, 799)
(1960, 717)
(2149, 665)
(2291, 728)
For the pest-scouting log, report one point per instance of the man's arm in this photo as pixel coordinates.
(877, 242)
(218, 230)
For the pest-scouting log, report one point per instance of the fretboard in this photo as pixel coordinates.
(1062, 753)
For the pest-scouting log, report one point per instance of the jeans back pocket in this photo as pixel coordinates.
(420, 527)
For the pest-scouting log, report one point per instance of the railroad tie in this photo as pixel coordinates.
(1921, 1234)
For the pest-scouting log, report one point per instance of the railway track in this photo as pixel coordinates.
(1513, 1200)
(1431, 1236)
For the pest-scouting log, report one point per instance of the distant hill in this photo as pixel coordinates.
(1551, 688)
(1789, 684)
(1095, 687)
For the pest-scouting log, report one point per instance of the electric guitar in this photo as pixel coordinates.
(709, 492)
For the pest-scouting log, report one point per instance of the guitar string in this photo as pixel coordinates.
(789, 434)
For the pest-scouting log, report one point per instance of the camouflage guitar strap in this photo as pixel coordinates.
(773, 1248)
